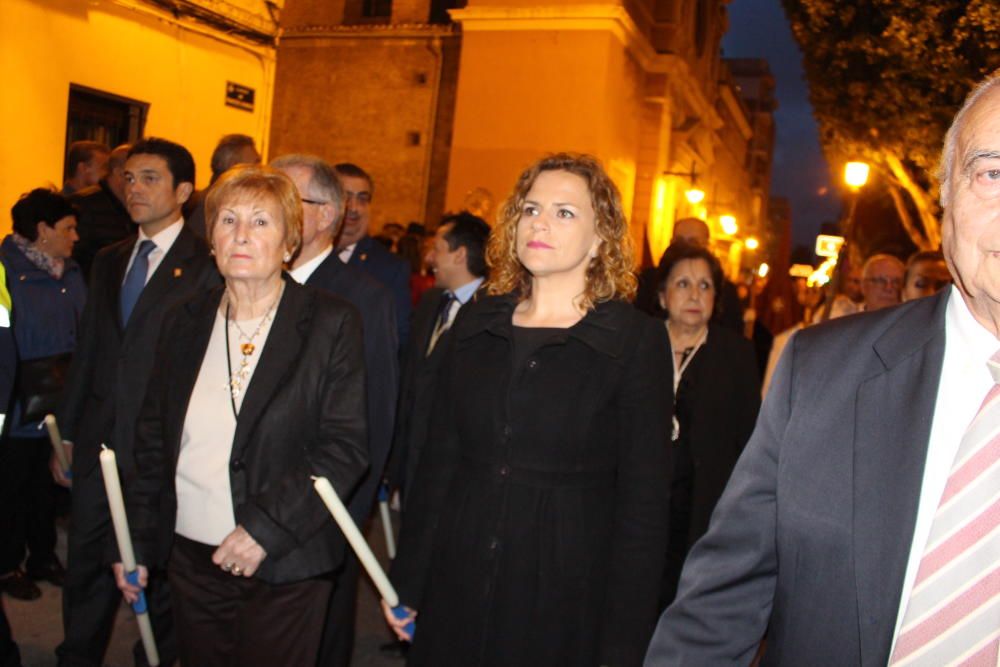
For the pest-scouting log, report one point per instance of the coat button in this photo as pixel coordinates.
(532, 364)
(237, 465)
(507, 430)
(494, 544)
(63, 290)
(504, 470)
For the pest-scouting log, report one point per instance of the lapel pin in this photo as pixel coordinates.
(364, 256)
(178, 272)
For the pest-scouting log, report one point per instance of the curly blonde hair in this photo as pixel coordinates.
(609, 275)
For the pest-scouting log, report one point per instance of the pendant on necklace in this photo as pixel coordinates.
(247, 349)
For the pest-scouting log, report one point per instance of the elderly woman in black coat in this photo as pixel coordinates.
(259, 385)
(717, 396)
(537, 520)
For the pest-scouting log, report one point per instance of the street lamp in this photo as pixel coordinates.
(856, 174)
(728, 224)
(752, 243)
(694, 195)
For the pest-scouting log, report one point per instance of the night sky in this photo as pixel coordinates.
(759, 29)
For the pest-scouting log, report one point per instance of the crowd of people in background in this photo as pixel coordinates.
(557, 429)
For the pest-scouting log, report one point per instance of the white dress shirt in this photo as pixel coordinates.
(301, 274)
(163, 241)
(346, 252)
(965, 381)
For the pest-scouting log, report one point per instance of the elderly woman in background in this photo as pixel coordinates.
(538, 512)
(926, 274)
(259, 385)
(716, 398)
(47, 293)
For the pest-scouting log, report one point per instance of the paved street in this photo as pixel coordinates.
(37, 624)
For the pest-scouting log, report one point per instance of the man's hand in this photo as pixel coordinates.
(239, 554)
(58, 474)
(130, 591)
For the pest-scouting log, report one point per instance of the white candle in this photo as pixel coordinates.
(57, 444)
(357, 541)
(113, 488)
(383, 506)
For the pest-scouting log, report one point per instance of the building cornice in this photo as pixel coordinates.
(371, 31)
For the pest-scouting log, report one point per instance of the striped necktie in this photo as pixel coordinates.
(953, 614)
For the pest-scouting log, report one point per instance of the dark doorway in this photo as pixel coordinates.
(99, 116)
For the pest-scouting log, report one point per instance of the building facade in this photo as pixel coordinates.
(115, 70)
(446, 105)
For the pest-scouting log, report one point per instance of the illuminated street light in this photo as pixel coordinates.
(763, 269)
(729, 225)
(856, 174)
(694, 195)
(752, 244)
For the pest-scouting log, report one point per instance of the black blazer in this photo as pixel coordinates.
(101, 221)
(303, 414)
(378, 315)
(111, 364)
(811, 538)
(391, 271)
(717, 404)
(417, 389)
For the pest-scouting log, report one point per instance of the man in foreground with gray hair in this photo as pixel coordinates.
(862, 523)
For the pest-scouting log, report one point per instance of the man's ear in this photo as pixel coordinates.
(183, 191)
(461, 256)
(330, 218)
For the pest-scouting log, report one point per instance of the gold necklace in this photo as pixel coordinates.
(236, 379)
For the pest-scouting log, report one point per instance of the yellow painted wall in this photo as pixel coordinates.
(522, 94)
(125, 48)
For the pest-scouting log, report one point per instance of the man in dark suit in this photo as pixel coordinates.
(356, 248)
(134, 283)
(318, 265)
(860, 526)
(103, 218)
(457, 257)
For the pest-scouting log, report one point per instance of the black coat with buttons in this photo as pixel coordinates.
(537, 523)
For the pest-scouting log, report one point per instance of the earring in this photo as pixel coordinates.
(288, 257)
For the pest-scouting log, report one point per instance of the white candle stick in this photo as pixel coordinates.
(57, 444)
(113, 488)
(361, 548)
(383, 507)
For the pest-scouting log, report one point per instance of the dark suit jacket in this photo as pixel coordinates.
(378, 315)
(112, 365)
(102, 220)
(392, 272)
(417, 390)
(303, 414)
(811, 538)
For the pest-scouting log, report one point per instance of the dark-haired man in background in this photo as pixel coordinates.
(232, 149)
(102, 217)
(86, 164)
(133, 284)
(457, 257)
(357, 248)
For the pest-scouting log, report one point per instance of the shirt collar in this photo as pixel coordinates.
(165, 238)
(301, 273)
(975, 343)
(465, 292)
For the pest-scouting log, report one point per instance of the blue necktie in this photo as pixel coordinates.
(135, 279)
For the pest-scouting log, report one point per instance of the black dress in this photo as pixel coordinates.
(537, 524)
(717, 403)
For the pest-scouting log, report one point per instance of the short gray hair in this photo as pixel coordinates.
(324, 181)
(946, 165)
